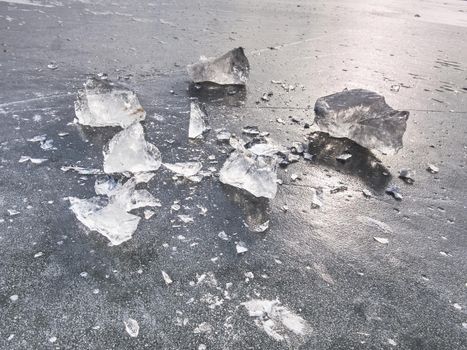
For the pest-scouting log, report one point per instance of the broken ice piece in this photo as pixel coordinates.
(241, 247)
(185, 218)
(81, 170)
(367, 194)
(166, 277)
(131, 327)
(364, 117)
(198, 121)
(106, 185)
(148, 214)
(47, 145)
(13, 212)
(316, 198)
(32, 160)
(186, 169)
(432, 169)
(232, 68)
(250, 130)
(295, 177)
(343, 157)
(255, 174)
(128, 151)
(103, 103)
(276, 320)
(394, 191)
(222, 235)
(258, 228)
(38, 138)
(381, 240)
(407, 175)
(52, 66)
(223, 136)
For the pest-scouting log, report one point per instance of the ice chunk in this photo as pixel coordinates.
(32, 160)
(82, 170)
(407, 175)
(103, 103)
(232, 68)
(223, 135)
(381, 240)
(255, 174)
(128, 151)
(106, 185)
(198, 121)
(258, 228)
(394, 191)
(166, 277)
(110, 217)
(132, 327)
(276, 320)
(241, 247)
(432, 169)
(112, 220)
(186, 169)
(364, 117)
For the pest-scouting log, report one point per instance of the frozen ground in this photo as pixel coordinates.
(64, 287)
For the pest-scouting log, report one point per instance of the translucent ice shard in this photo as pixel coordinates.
(81, 170)
(103, 103)
(364, 117)
(128, 151)
(109, 216)
(32, 160)
(276, 320)
(187, 169)
(132, 327)
(198, 121)
(232, 68)
(253, 173)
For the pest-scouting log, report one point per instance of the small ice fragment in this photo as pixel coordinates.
(84, 274)
(241, 247)
(13, 212)
(443, 253)
(148, 214)
(223, 136)
(38, 255)
(364, 117)
(381, 240)
(276, 320)
(11, 336)
(394, 191)
(232, 68)
(367, 193)
(175, 207)
(265, 149)
(128, 151)
(186, 169)
(316, 198)
(81, 170)
(280, 121)
(14, 297)
(143, 177)
(38, 138)
(395, 87)
(259, 228)
(432, 169)
(203, 327)
(63, 134)
(457, 306)
(52, 339)
(47, 145)
(167, 278)
(103, 103)
(308, 156)
(222, 235)
(202, 347)
(250, 130)
(255, 174)
(249, 275)
(52, 66)
(106, 186)
(131, 327)
(407, 175)
(186, 218)
(198, 121)
(343, 157)
(392, 342)
(295, 177)
(32, 160)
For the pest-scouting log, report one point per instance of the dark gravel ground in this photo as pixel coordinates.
(322, 264)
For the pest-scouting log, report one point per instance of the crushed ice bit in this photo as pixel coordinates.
(82, 170)
(241, 247)
(32, 160)
(131, 327)
(231, 68)
(38, 255)
(222, 235)
(166, 277)
(186, 218)
(250, 130)
(394, 191)
(276, 320)
(103, 103)
(52, 66)
(186, 169)
(259, 228)
(52, 339)
(223, 136)
(14, 297)
(148, 214)
(407, 175)
(198, 121)
(344, 157)
(364, 117)
(13, 212)
(106, 186)
(38, 138)
(203, 327)
(128, 151)
(47, 145)
(381, 240)
(432, 169)
(255, 174)
(367, 193)
(392, 342)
